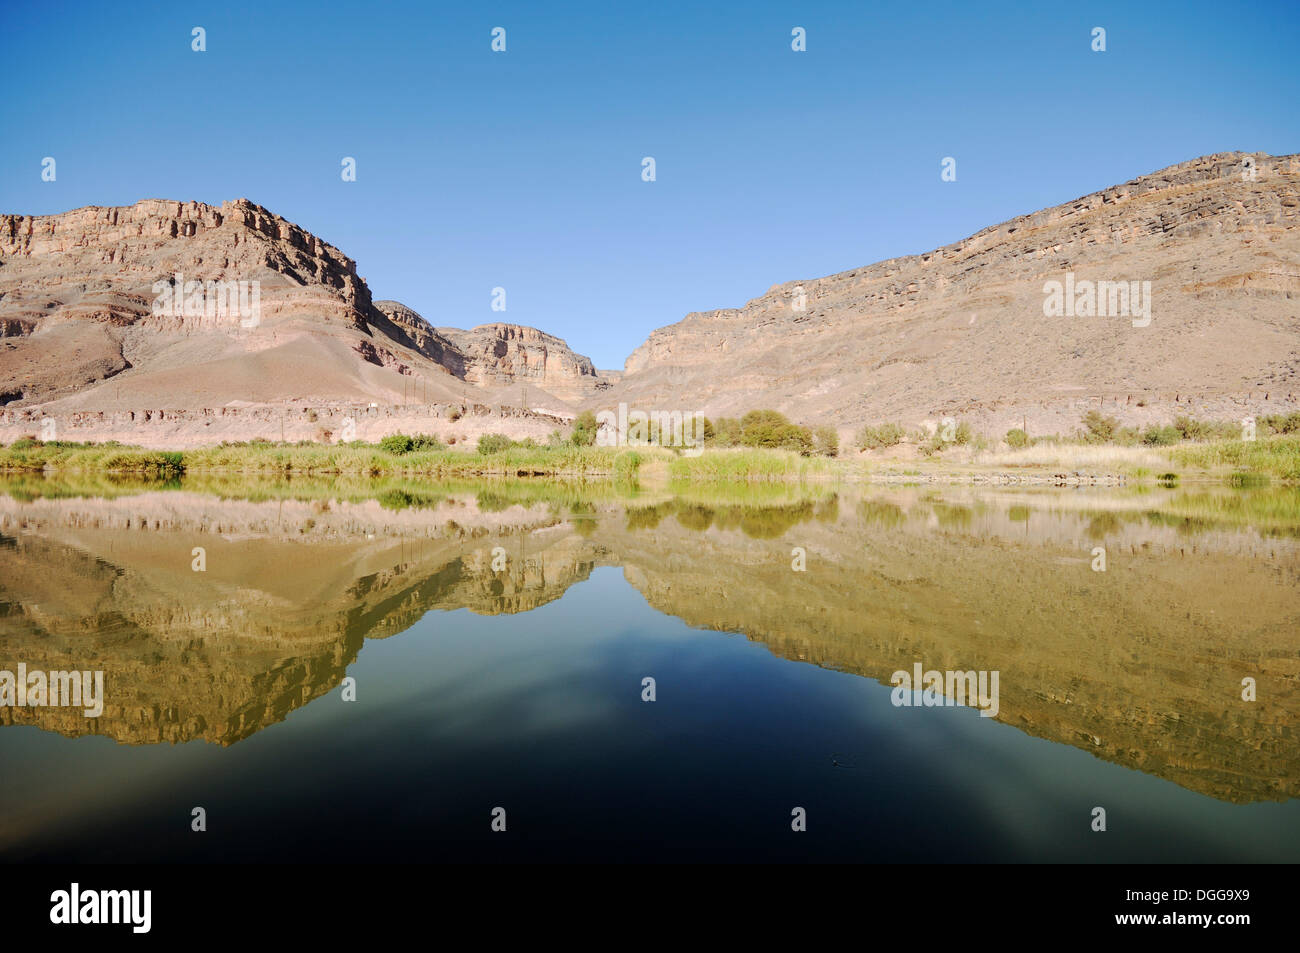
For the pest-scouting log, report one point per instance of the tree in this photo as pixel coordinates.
(828, 441)
(585, 428)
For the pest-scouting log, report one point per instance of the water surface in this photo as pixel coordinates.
(499, 635)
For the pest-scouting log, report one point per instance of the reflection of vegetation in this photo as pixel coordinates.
(764, 523)
(883, 515)
(1103, 525)
(757, 522)
(828, 510)
(953, 517)
(401, 500)
(1271, 512)
(584, 518)
(760, 509)
(695, 517)
(648, 517)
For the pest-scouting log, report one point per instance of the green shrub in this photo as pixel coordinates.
(397, 443)
(794, 437)
(491, 443)
(1282, 423)
(585, 427)
(874, 438)
(1127, 436)
(1017, 438)
(25, 443)
(1098, 427)
(763, 428)
(1161, 436)
(827, 441)
(426, 441)
(1192, 429)
(726, 432)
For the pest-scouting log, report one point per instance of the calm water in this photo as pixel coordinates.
(499, 636)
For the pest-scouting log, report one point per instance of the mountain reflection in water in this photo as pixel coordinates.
(1140, 665)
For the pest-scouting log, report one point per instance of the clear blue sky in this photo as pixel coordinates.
(523, 170)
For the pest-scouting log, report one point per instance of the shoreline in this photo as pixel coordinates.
(1272, 460)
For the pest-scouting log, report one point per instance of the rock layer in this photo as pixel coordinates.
(961, 330)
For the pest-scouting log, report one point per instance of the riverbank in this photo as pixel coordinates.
(1275, 459)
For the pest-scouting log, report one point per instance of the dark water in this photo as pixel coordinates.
(520, 686)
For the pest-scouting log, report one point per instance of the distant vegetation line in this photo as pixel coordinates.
(762, 445)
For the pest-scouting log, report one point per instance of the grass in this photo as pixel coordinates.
(354, 458)
(741, 465)
(1076, 456)
(1277, 456)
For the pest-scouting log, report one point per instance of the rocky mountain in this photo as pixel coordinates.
(967, 329)
(1175, 293)
(501, 354)
(166, 306)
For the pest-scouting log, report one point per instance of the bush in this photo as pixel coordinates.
(426, 441)
(1099, 428)
(962, 435)
(763, 428)
(24, 443)
(1283, 423)
(827, 441)
(873, 438)
(1017, 438)
(726, 432)
(1161, 436)
(794, 437)
(929, 444)
(1192, 429)
(494, 443)
(557, 439)
(397, 443)
(585, 427)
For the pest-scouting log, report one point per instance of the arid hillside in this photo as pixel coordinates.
(962, 330)
(166, 307)
(1175, 293)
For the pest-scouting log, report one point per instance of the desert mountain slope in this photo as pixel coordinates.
(962, 330)
(81, 329)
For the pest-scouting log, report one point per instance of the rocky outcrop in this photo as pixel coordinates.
(187, 306)
(511, 353)
(962, 329)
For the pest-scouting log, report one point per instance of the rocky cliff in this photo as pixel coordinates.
(962, 329)
(165, 305)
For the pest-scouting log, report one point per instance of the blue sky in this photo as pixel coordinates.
(523, 169)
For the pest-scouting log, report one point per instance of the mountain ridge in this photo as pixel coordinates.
(961, 330)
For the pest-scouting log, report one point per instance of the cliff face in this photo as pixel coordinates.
(511, 353)
(962, 329)
(92, 319)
